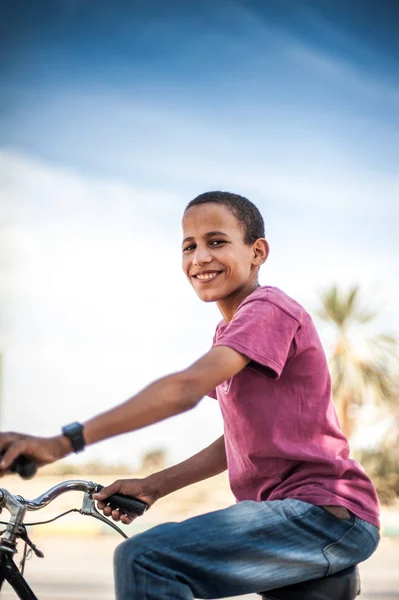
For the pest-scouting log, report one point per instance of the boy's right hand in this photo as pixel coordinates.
(139, 488)
(41, 450)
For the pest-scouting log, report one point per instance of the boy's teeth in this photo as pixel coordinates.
(206, 275)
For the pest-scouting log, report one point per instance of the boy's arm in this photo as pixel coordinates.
(164, 398)
(206, 463)
(168, 396)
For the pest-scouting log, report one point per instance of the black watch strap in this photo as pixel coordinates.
(74, 433)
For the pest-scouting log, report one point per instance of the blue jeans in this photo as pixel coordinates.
(246, 548)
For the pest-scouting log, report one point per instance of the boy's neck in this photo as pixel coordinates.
(228, 306)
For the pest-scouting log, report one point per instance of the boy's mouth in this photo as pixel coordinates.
(206, 276)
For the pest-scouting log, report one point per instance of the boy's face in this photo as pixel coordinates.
(216, 261)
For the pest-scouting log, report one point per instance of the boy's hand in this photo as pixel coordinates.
(42, 450)
(139, 488)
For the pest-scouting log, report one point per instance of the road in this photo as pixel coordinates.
(80, 568)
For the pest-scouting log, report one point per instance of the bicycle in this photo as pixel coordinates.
(16, 529)
(344, 585)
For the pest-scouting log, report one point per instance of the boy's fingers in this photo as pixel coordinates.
(107, 491)
(126, 520)
(116, 514)
(10, 454)
(6, 439)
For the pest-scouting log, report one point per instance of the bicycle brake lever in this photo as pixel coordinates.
(23, 534)
(89, 508)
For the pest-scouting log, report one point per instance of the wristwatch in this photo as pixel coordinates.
(74, 433)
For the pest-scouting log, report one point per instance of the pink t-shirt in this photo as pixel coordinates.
(281, 431)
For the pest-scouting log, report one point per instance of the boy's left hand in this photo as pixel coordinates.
(142, 489)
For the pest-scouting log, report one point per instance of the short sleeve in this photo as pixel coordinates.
(262, 331)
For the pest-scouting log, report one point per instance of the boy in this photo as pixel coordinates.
(304, 509)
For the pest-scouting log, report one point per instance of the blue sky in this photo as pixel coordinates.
(253, 77)
(114, 117)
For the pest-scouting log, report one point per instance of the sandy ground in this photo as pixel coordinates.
(78, 550)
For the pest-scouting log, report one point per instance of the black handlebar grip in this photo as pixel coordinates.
(24, 466)
(128, 504)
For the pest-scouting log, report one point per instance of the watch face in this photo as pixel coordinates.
(73, 429)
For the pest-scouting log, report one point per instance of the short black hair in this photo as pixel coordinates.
(246, 213)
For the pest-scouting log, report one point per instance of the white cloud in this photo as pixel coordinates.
(95, 300)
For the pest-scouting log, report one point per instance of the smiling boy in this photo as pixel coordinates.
(304, 509)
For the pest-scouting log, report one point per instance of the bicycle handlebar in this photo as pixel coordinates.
(26, 468)
(125, 503)
(17, 506)
(73, 485)
(9, 500)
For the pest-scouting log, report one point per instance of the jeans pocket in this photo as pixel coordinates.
(355, 545)
(335, 553)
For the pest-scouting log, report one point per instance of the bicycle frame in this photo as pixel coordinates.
(10, 573)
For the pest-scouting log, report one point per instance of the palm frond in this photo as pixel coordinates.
(359, 377)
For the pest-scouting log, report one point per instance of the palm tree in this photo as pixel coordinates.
(363, 369)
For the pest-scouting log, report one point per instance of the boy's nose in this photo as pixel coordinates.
(201, 256)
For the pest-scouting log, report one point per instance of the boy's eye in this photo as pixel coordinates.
(211, 243)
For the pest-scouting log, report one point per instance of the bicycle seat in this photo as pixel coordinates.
(344, 585)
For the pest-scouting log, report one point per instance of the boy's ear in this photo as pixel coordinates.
(260, 251)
